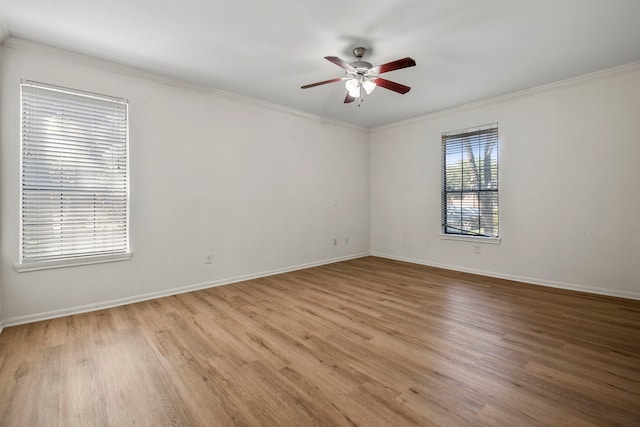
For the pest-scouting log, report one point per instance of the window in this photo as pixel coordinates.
(74, 177)
(470, 182)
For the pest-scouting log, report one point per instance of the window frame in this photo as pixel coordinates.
(492, 130)
(91, 256)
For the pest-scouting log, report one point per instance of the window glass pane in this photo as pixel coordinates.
(74, 174)
(453, 170)
(470, 182)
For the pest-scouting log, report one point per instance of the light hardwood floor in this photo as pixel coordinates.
(366, 342)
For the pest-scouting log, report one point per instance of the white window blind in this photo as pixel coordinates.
(74, 183)
(470, 182)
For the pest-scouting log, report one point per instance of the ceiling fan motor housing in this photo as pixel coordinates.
(361, 65)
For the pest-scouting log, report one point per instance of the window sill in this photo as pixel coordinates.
(474, 239)
(46, 265)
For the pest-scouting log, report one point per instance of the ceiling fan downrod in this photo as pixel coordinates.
(360, 65)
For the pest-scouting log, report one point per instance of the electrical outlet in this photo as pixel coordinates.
(208, 258)
(476, 248)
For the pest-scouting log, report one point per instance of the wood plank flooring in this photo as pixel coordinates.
(367, 342)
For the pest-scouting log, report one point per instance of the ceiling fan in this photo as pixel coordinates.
(362, 78)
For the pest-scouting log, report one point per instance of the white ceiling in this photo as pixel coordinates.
(466, 50)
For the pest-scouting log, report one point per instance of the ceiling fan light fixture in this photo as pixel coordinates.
(353, 87)
(368, 86)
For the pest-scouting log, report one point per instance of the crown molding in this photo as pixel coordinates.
(90, 61)
(4, 30)
(571, 82)
(93, 62)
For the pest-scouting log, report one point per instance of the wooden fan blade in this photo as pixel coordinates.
(348, 98)
(388, 84)
(340, 63)
(394, 65)
(321, 83)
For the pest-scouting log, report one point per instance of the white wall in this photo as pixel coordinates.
(568, 177)
(266, 190)
(1, 195)
(263, 189)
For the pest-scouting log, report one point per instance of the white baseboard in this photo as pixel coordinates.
(1, 327)
(20, 320)
(524, 279)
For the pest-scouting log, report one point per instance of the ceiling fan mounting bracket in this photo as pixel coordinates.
(359, 52)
